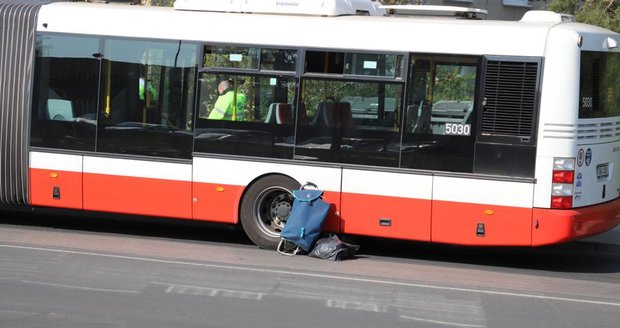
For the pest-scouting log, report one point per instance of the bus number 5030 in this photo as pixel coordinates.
(458, 129)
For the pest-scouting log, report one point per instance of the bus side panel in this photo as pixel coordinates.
(488, 212)
(556, 226)
(388, 217)
(383, 204)
(481, 224)
(137, 187)
(56, 180)
(216, 202)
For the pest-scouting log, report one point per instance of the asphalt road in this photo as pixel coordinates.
(92, 272)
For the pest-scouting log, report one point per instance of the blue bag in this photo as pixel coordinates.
(305, 221)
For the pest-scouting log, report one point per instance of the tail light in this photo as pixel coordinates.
(563, 179)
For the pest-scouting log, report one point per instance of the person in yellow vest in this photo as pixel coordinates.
(147, 92)
(229, 104)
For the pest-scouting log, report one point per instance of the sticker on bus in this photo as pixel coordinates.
(457, 129)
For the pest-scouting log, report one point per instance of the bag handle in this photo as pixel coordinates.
(280, 248)
(311, 184)
(308, 195)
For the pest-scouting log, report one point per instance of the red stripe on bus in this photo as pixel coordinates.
(217, 202)
(68, 185)
(371, 215)
(131, 195)
(383, 216)
(480, 224)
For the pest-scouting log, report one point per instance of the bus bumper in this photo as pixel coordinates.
(552, 226)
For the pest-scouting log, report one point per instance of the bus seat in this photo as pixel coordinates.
(302, 115)
(345, 114)
(324, 114)
(421, 118)
(412, 117)
(333, 114)
(59, 110)
(279, 113)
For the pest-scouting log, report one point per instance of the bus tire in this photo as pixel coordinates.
(265, 207)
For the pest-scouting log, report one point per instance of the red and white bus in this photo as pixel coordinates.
(459, 131)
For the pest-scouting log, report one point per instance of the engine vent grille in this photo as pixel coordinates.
(510, 100)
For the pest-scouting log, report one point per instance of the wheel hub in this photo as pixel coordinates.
(280, 210)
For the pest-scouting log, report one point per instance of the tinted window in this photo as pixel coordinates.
(354, 63)
(439, 131)
(374, 65)
(65, 103)
(278, 59)
(599, 91)
(231, 57)
(247, 101)
(147, 98)
(353, 122)
(251, 115)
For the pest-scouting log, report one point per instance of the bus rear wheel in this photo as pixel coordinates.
(265, 207)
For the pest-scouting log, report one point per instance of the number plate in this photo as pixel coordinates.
(602, 171)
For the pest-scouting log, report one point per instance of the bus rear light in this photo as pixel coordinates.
(565, 164)
(563, 176)
(561, 201)
(562, 189)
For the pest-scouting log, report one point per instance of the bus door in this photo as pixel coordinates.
(492, 206)
(439, 133)
(144, 130)
(64, 113)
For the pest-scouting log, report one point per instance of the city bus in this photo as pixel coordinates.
(453, 130)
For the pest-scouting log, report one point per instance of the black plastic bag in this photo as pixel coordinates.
(334, 249)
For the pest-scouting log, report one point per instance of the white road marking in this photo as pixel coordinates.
(324, 276)
(209, 291)
(445, 323)
(80, 287)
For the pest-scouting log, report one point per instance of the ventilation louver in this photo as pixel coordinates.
(510, 99)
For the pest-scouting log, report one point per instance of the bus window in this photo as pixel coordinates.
(353, 122)
(250, 115)
(439, 117)
(147, 98)
(387, 65)
(247, 101)
(600, 76)
(278, 60)
(65, 107)
(231, 57)
(324, 62)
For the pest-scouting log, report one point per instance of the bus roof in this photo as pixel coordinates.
(367, 33)
(291, 7)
